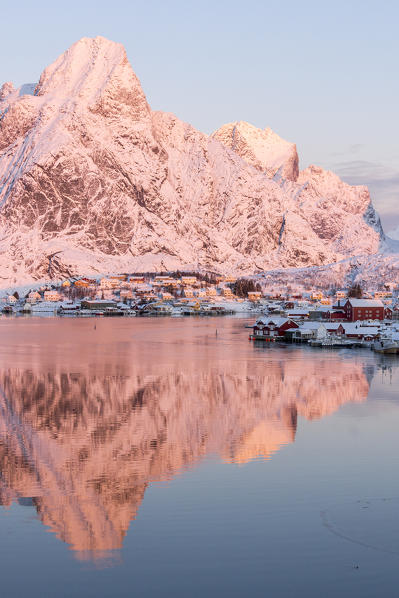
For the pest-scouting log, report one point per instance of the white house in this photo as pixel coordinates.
(310, 330)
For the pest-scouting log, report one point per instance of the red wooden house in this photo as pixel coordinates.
(357, 331)
(336, 314)
(272, 328)
(388, 313)
(364, 309)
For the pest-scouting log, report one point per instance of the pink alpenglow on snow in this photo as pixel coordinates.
(89, 173)
(263, 149)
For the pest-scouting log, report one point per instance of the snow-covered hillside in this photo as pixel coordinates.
(91, 180)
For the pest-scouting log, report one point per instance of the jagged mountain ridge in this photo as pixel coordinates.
(92, 180)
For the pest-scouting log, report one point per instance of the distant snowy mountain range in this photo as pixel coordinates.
(93, 181)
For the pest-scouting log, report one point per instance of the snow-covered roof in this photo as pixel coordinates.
(365, 302)
(70, 304)
(265, 321)
(355, 328)
(96, 301)
(311, 325)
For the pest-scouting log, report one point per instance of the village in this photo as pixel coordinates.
(135, 295)
(348, 317)
(350, 322)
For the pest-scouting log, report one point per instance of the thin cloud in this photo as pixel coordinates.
(351, 149)
(363, 170)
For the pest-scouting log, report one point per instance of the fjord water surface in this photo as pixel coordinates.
(156, 457)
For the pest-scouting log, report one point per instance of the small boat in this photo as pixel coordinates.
(335, 342)
(331, 342)
(89, 313)
(386, 345)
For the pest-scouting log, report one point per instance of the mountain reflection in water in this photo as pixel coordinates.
(83, 438)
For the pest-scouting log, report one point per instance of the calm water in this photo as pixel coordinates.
(154, 457)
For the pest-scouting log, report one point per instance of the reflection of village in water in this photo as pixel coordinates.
(82, 443)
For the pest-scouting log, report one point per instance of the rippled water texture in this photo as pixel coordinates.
(173, 457)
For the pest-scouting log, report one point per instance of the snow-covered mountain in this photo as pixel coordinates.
(92, 180)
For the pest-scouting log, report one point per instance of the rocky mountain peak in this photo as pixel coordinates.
(261, 148)
(94, 72)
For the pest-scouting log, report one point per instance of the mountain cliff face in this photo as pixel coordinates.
(93, 181)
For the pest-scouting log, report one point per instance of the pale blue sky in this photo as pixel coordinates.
(322, 74)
